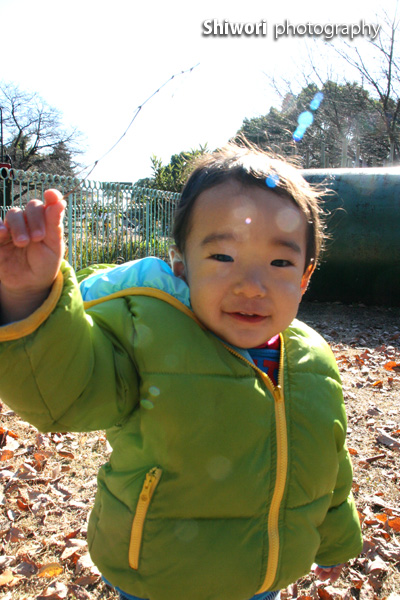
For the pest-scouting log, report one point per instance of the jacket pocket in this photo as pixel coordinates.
(145, 496)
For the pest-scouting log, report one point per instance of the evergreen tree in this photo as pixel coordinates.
(172, 177)
(345, 130)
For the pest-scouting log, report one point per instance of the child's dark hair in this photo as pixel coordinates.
(251, 167)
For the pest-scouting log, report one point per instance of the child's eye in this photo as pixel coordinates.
(281, 263)
(222, 257)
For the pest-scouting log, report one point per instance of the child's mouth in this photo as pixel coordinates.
(247, 317)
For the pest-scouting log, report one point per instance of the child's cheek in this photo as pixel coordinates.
(291, 290)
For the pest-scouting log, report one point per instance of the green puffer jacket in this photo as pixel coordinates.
(219, 485)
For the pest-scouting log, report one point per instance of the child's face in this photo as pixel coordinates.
(244, 262)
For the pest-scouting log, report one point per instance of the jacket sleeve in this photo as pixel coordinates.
(64, 369)
(340, 531)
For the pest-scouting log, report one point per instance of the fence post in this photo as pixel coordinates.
(70, 256)
(147, 226)
(151, 214)
(119, 221)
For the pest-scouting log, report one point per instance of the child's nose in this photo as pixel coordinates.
(252, 284)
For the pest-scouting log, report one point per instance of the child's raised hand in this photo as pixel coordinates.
(31, 250)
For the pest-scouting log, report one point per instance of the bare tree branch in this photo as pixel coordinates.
(34, 130)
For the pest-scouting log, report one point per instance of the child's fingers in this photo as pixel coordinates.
(4, 233)
(32, 223)
(54, 213)
(34, 215)
(321, 574)
(53, 216)
(335, 573)
(17, 227)
(54, 208)
(325, 573)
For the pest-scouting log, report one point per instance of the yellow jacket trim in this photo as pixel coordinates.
(146, 291)
(146, 494)
(20, 329)
(280, 482)
(281, 467)
(30, 324)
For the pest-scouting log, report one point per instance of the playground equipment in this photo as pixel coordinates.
(361, 263)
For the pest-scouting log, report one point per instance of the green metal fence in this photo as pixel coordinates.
(117, 222)
(104, 222)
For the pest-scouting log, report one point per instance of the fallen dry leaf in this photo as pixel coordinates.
(26, 568)
(87, 580)
(376, 565)
(65, 454)
(394, 524)
(6, 561)
(55, 591)
(6, 432)
(72, 534)
(371, 459)
(85, 562)
(50, 570)
(392, 366)
(6, 577)
(325, 594)
(72, 547)
(6, 454)
(6, 474)
(367, 592)
(14, 534)
(78, 592)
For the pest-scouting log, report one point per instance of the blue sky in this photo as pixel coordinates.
(97, 61)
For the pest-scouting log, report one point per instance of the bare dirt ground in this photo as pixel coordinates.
(47, 482)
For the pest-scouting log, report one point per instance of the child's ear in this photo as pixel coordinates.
(306, 277)
(177, 262)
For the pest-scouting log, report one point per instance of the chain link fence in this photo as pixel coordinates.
(104, 222)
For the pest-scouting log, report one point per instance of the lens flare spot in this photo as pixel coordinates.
(305, 119)
(219, 467)
(299, 133)
(187, 530)
(154, 391)
(146, 403)
(145, 333)
(288, 220)
(241, 213)
(272, 180)
(247, 220)
(316, 101)
(171, 360)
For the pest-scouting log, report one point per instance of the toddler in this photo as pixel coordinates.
(229, 475)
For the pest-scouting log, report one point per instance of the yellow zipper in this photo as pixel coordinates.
(281, 466)
(148, 489)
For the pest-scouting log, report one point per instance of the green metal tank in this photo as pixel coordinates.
(361, 262)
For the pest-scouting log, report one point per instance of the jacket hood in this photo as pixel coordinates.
(145, 272)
